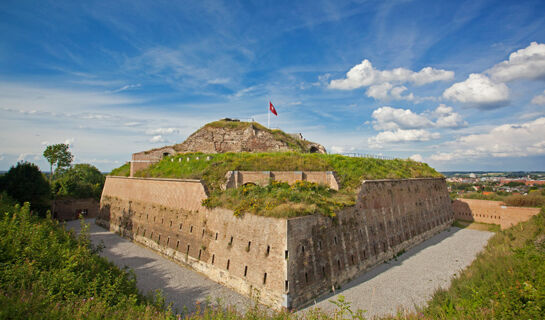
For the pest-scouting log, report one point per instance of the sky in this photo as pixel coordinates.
(459, 85)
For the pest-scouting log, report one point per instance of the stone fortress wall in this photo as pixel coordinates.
(390, 216)
(286, 262)
(246, 254)
(235, 179)
(494, 212)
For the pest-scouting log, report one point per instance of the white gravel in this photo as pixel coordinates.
(386, 289)
(412, 279)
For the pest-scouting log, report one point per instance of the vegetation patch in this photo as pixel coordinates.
(123, 171)
(48, 273)
(275, 200)
(279, 199)
(506, 281)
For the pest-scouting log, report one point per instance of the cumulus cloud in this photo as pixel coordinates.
(157, 138)
(508, 140)
(388, 118)
(401, 135)
(526, 63)
(386, 91)
(478, 90)
(447, 118)
(364, 75)
(416, 157)
(539, 99)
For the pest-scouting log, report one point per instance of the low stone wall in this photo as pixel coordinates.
(236, 179)
(70, 209)
(494, 212)
(142, 160)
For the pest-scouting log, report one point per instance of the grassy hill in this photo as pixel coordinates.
(278, 199)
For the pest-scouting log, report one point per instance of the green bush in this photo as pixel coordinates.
(48, 273)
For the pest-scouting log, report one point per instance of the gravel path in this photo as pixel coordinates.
(180, 285)
(412, 279)
(389, 287)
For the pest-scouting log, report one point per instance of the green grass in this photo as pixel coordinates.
(506, 281)
(282, 202)
(123, 171)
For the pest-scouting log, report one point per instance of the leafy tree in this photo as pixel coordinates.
(80, 181)
(25, 182)
(58, 155)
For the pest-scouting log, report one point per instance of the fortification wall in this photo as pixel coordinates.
(494, 212)
(70, 209)
(236, 179)
(389, 217)
(246, 253)
(287, 262)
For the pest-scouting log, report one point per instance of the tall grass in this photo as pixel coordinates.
(506, 281)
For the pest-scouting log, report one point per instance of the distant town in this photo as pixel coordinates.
(494, 185)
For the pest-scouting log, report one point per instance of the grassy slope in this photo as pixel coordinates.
(350, 171)
(506, 281)
(123, 171)
(280, 201)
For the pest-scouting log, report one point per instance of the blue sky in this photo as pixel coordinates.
(459, 85)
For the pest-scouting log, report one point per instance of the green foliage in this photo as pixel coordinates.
(480, 196)
(281, 200)
(80, 181)
(533, 199)
(25, 183)
(47, 273)
(58, 155)
(123, 171)
(506, 281)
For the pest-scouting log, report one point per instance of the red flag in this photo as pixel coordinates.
(273, 110)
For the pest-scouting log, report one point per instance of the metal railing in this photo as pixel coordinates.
(365, 155)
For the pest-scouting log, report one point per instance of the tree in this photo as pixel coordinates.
(81, 181)
(58, 155)
(26, 183)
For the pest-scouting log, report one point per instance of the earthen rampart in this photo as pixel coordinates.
(494, 212)
(287, 262)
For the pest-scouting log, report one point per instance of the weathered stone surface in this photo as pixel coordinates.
(302, 257)
(235, 179)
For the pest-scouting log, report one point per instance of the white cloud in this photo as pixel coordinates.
(417, 157)
(127, 87)
(526, 63)
(539, 99)
(508, 140)
(480, 91)
(447, 118)
(28, 156)
(163, 131)
(1, 156)
(69, 141)
(337, 149)
(219, 81)
(364, 75)
(388, 118)
(401, 135)
(157, 138)
(386, 91)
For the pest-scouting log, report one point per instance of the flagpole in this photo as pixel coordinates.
(268, 118)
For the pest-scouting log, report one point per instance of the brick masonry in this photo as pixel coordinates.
(70, 209)
(494, 212)
(236, 179)
(285, 262)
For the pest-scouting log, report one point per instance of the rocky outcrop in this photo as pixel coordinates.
(234, 136)
(228, 135)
